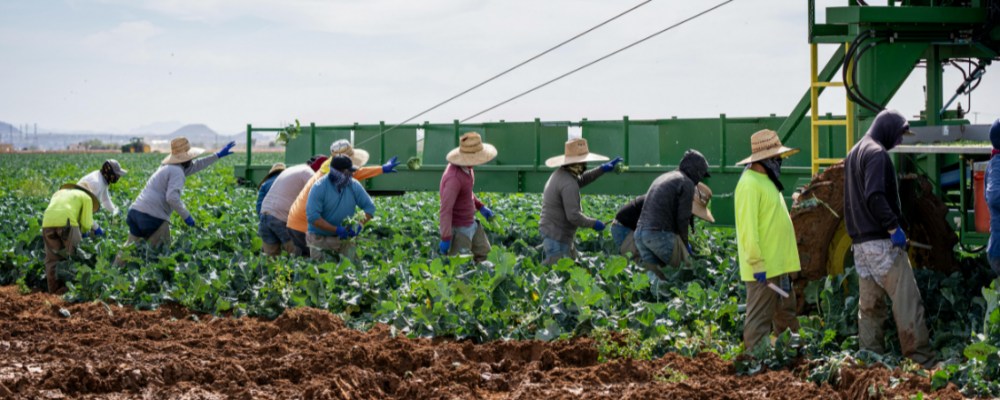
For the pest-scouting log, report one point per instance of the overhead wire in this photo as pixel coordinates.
(508, 70)
(599, 59)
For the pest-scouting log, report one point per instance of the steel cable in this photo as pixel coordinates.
(507, 71)
(601, 59)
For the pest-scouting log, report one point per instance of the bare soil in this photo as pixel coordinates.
(115, 352)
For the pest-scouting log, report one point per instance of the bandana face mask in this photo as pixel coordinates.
(773, 168)
(109, 173)
(576, 169)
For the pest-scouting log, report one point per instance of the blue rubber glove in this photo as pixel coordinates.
(226, 150)
(120, 214)
(486, 213)
(611, 165)
(444, 246)
(85, 234)
(898, 238)
(354, 231)
(388, 168)
(343, 233)
(690, 250)
(98, 232)
(761, 277)
(598, 226)
(189, 221)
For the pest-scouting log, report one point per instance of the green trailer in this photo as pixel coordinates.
(880, 45)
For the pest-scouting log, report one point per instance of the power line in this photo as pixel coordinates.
(600, 59)
(505, 72)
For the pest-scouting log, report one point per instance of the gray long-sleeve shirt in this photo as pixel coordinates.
(162, 193)
(561, 210)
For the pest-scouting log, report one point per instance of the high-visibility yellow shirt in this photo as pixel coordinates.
(765, 235)
(75, 205)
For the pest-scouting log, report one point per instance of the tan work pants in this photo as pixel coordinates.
(479, 244)
(907, 308)
(56, 239)
(162, 235)
(318, 243)
(768, 312)
(274, 250)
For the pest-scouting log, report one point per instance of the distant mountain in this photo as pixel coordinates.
(156, 128)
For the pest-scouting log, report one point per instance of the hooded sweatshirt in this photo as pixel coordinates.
(871, 197)
(992, 179)
(670, 197)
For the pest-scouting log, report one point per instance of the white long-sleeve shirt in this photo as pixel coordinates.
(100, 188)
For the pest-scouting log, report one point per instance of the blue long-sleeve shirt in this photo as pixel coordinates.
(992, 183)
(262, 193)
(335, 204)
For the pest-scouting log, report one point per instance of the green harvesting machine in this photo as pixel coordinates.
(881, 46)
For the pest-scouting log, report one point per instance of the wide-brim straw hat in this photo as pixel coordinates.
(765, 144)
(275, 170)
(576, 152)
(358, 156)
(84, 186)
(702, 195)
(181, 151)
(472, 151)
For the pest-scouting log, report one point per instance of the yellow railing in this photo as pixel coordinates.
(816, 122)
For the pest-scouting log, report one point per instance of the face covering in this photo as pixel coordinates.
(773, 168)
(109, 173)
(186, 165)
(898, 141)
(576, 169)
(339, 179)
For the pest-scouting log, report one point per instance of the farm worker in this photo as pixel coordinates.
(992, 179)
(871, 214)
(265, 184)
(99, 181)
(297, 222)
(69, 217)
(765, 240)
(627, 219)
(667, 213)
(460, 230)
(277, 203)
(332, 200)
(561, 210)
(149, 217)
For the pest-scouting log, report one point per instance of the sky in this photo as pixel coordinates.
(117, 65)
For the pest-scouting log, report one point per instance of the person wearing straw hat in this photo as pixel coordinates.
(460, 230)
(667, 213)
(872, 215)
(298, 224)
(332, 200)
(101, 179)
(69, 217)
(765, 240)
(267, 182)
(277, 203)
(149, 217)
(561, 210)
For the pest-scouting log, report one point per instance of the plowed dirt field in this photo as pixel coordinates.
(110, 352)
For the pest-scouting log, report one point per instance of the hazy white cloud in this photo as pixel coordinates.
(126, 42)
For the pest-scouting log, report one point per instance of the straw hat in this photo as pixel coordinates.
(358, 157)
(765, 144)
(84, 186)
(181, 151)
(275, 170)
(576, 152)
(472, 151)
(702, 195)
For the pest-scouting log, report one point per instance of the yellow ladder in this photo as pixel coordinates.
(816, 122)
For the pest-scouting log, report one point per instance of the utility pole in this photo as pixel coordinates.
(976, 113)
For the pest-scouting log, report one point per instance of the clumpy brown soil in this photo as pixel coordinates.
(815, 226)
(308, 354)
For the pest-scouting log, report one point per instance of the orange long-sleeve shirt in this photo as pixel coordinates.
(297, 215)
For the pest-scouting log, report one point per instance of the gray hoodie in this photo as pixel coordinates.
(669, 199)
